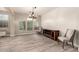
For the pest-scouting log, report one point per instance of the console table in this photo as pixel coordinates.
(53, 34)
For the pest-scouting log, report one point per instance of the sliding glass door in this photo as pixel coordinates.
(36, 24)
(22, 25)
(29, 24)
(32, 24)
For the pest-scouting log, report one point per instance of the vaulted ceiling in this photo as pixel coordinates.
(26, 10)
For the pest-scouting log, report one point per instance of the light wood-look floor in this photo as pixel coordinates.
(32, 43)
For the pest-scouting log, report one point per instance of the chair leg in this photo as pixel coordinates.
(66, 43)
(72, 44)
(58, 41)
(63, 45)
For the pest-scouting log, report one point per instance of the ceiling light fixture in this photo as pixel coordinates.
(32, 15)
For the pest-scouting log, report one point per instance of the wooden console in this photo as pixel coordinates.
(53, 34)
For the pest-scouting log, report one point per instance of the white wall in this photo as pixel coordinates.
(61, 19)
(19, 18)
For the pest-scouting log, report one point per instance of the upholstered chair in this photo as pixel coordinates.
(68, 36)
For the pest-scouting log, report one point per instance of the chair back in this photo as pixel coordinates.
(69, 33)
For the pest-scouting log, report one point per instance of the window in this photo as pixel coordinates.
(29, 24)
(3, 20)
(36, 24)
(22, 25)
(32, 24)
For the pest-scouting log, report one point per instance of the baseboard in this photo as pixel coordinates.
(12, 35)
(24, 33)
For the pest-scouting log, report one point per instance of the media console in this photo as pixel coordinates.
(53, 34)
